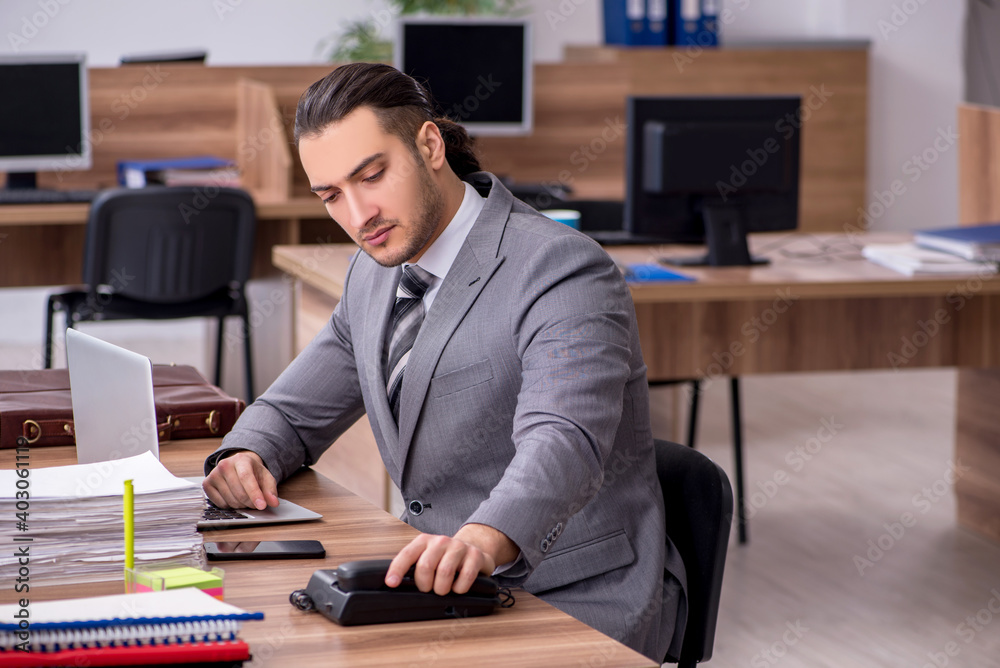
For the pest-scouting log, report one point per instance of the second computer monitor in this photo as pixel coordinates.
(478, 69)
(711, 169)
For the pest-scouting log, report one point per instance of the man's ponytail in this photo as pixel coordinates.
(459, 147)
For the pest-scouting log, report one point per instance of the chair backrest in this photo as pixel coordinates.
(169, 244)
(698, 500)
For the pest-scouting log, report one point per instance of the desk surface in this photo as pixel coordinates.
(819, 306)
(76, 213)
(531, 633)
(817, 265)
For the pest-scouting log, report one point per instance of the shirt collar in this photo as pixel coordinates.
(442, 253)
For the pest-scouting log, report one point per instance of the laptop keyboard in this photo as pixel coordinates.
(213, 512)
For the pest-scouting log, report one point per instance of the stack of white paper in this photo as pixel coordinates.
(910, 259)
(69, 527)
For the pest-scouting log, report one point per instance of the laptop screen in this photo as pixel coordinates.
(113, 411)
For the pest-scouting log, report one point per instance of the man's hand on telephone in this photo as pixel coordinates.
(451, 563)
(241, 481)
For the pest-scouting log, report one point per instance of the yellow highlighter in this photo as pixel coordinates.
(129, 513)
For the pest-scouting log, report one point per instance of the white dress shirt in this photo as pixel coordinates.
(441, 255)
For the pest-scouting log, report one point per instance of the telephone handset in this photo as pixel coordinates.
(355, 593)
(370, 575)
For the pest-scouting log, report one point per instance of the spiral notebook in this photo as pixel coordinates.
(187, 623)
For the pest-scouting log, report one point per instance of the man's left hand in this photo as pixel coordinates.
(445, 564)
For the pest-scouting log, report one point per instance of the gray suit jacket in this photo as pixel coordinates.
(524, 407)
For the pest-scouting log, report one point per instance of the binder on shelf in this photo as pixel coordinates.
(694, 23)
(635, 22)
(193, 170)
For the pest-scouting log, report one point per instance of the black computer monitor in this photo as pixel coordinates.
(478, 69)
(44, 117)
(710, 169)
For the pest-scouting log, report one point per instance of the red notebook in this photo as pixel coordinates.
(146, 655)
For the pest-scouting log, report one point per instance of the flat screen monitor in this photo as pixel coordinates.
(710, 169)
(44, 117)
(479, 70)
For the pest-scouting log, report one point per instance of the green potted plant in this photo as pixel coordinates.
(363, 39)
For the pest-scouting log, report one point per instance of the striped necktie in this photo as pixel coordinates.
(407, 315)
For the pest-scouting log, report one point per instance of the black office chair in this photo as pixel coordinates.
(698, 500)
(162, 253)
(736, 421)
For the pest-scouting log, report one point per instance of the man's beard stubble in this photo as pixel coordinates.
(424, 223)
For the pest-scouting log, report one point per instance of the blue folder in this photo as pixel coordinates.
(652, 273)
(206, 162)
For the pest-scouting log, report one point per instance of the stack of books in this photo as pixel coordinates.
(67, 523)
(913, 260)
(178, 626)
(980, 243)
(199, 170)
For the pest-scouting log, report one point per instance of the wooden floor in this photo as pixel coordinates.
(855, 560)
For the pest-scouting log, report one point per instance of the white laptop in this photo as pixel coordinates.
(114, 416)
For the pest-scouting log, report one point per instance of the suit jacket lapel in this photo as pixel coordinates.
(383, 296)
(471, 271)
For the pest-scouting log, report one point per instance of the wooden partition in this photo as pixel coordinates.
(156, 111)
(978, 164)
(977, 435)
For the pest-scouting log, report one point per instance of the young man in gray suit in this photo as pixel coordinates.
(500, 370)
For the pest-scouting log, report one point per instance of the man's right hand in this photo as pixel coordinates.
(241, 481)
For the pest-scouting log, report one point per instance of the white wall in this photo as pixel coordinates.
(249, 32)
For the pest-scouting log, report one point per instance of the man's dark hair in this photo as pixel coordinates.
(400, 103)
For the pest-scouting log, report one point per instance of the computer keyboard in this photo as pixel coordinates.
(44, 196)
(213, 512)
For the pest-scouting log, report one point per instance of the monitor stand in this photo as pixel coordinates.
(726, 238)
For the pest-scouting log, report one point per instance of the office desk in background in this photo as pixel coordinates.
(42, 244)
(531, 633)
(819, 306)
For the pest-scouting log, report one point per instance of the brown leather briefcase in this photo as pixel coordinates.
(36, 408)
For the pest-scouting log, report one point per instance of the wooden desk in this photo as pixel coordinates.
(818, 307)
(531, 633)
(42, 244)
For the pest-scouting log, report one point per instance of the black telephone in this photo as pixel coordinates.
(355, 593)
